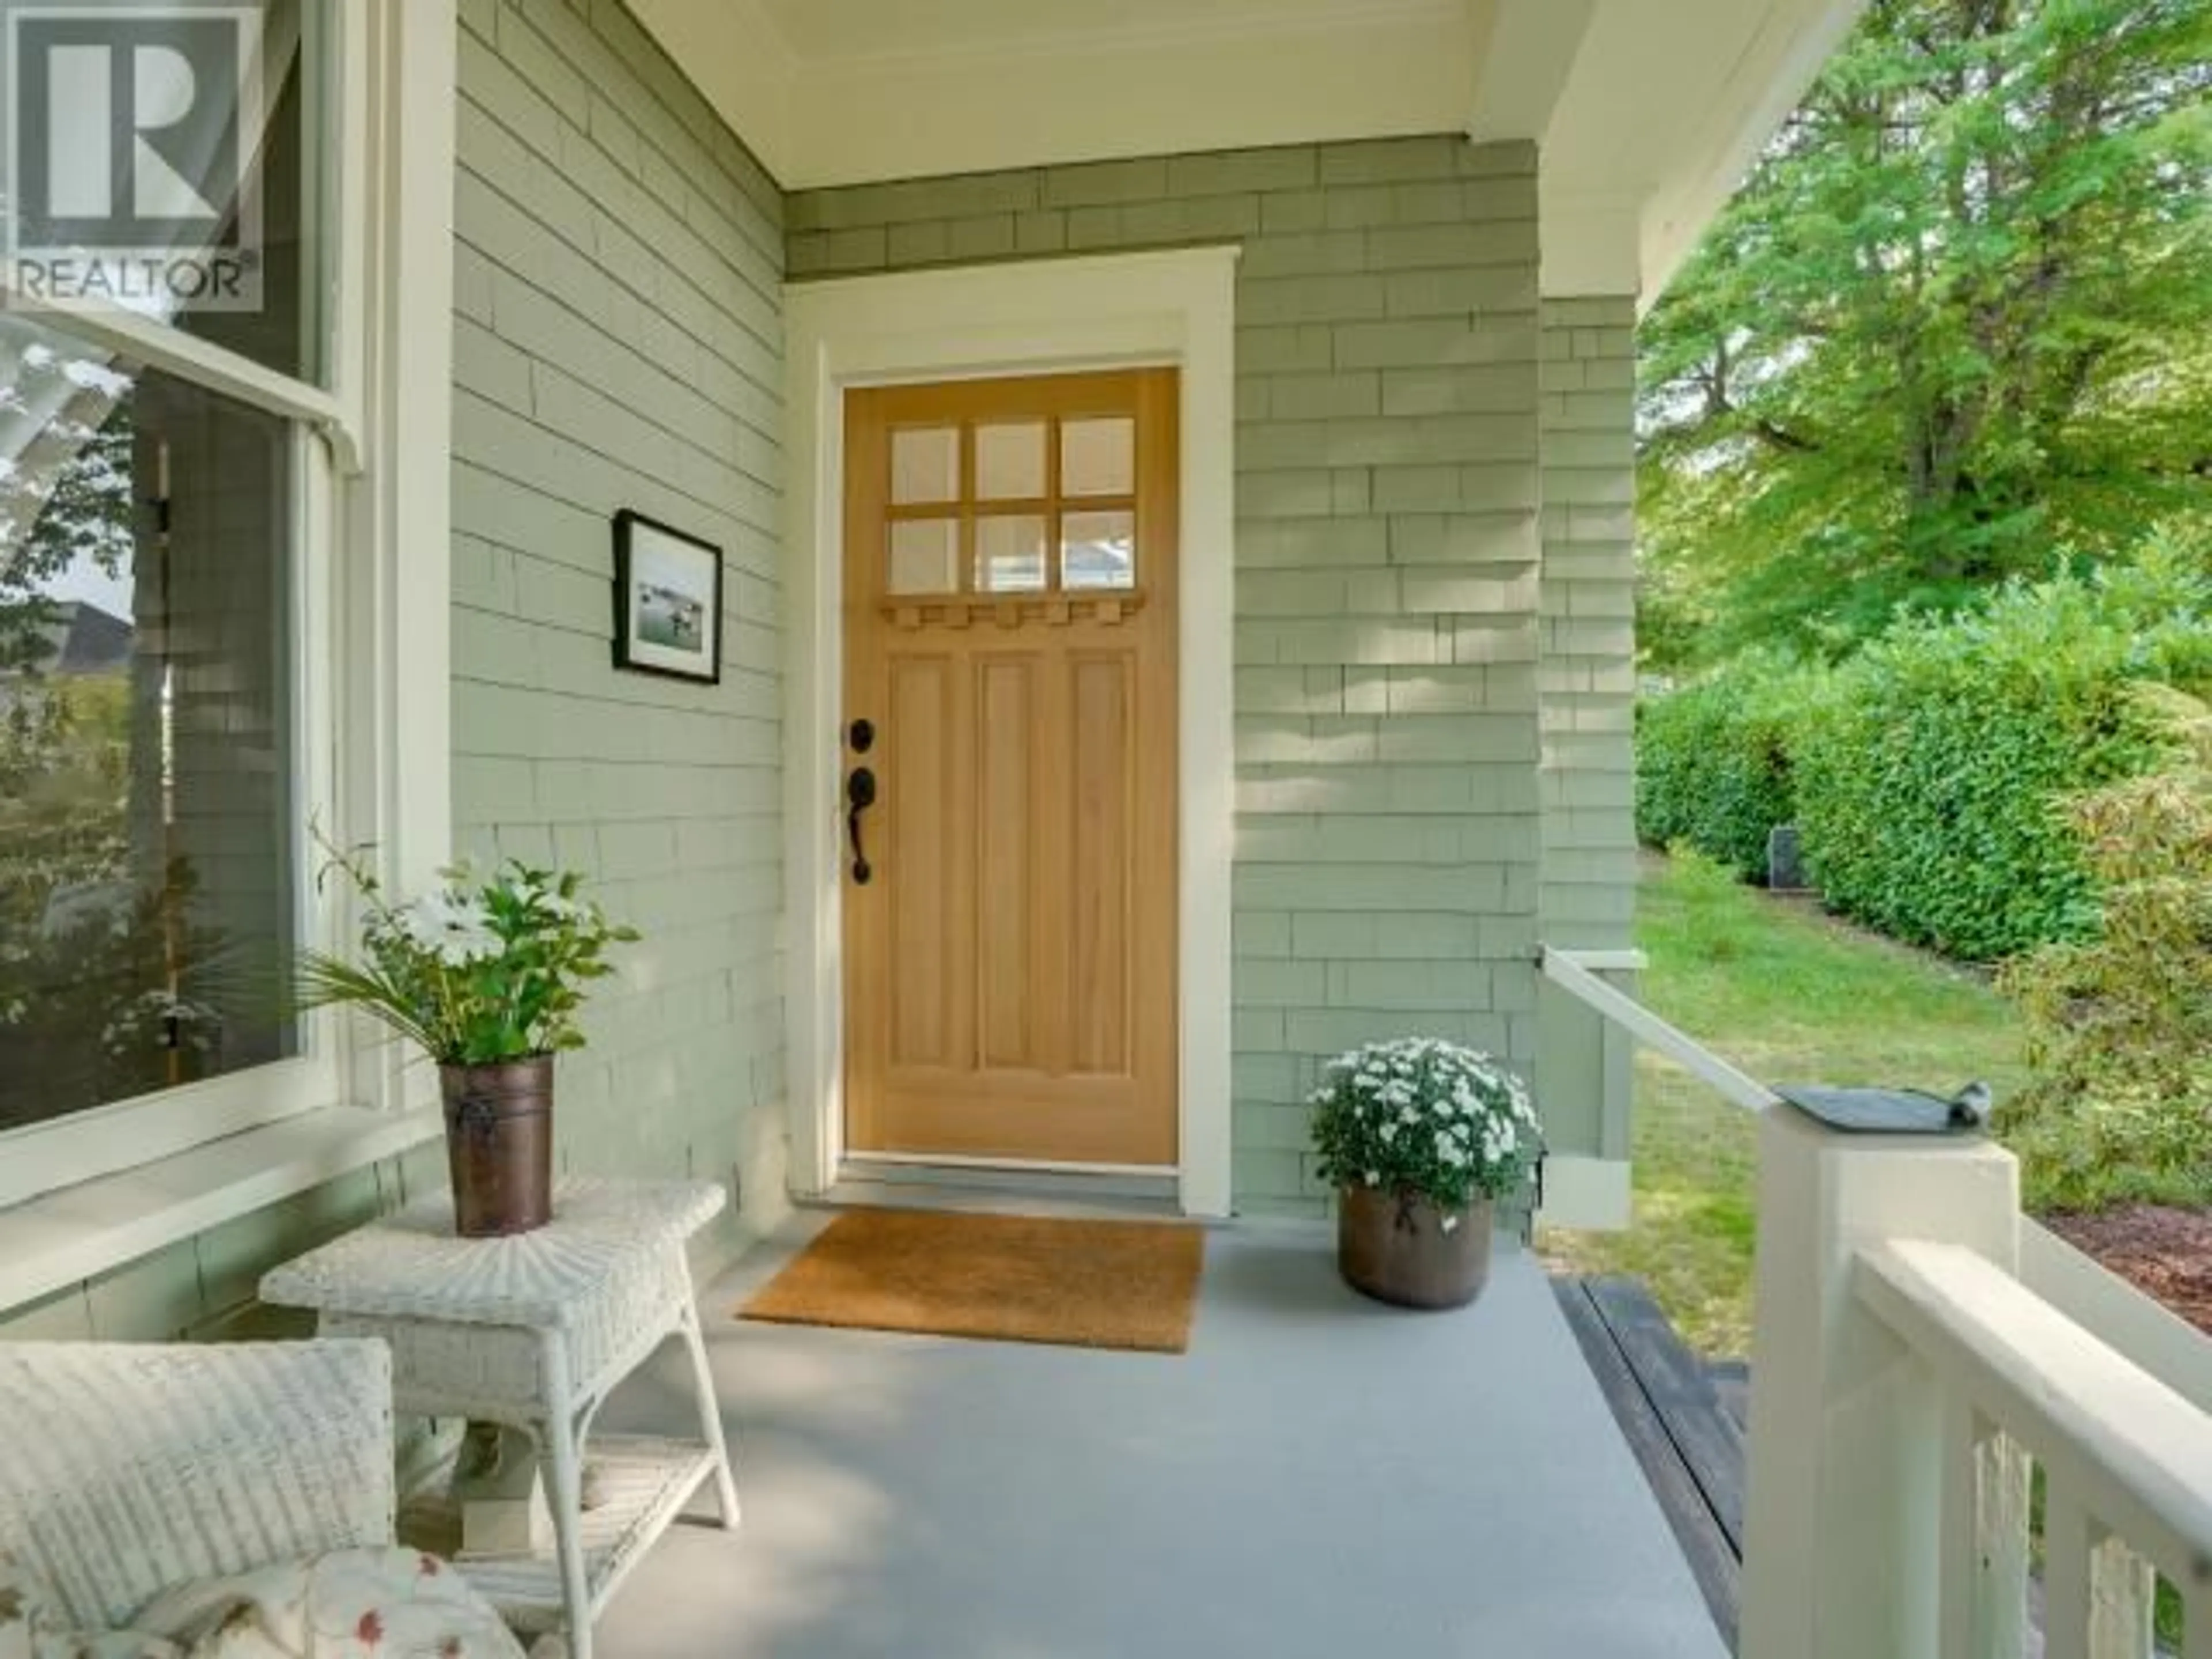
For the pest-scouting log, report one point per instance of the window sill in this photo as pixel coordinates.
(61, 1238)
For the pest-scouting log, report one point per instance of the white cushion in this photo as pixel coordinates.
(355, 1603)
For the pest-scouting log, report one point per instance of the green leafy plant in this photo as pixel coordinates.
(1427, 1119)
(1714, 767)
(1928, 771)
(128, 993)
(113, 983)
(1930, 782)
(64, 792)
(2120, 1025)
(483, 970)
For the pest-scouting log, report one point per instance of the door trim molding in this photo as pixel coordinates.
(1047, 317)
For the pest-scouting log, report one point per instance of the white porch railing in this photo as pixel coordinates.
(1920, 1345)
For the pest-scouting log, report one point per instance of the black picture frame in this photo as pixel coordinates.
(668, 585)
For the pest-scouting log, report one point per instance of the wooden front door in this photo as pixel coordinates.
(1010, 642)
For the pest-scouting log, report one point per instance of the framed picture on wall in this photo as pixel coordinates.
(668, 601)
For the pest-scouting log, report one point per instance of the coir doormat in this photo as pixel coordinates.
(1130, 1284)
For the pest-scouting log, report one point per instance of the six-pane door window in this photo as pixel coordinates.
(1013, 507)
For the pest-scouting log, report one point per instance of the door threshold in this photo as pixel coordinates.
(1121, 1180)
(1003, 1189)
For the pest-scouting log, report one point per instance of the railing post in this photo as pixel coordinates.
(1843, 1549)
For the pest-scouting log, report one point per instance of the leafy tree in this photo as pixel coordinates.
(64, 793)
(67, 437)
(112, 982)
(1952, 330)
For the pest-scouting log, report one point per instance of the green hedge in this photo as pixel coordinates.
(1928, 773)
(2120, 1109)
(1932, 784)
(1713, 764)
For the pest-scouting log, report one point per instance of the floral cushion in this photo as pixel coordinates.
(353, 1603)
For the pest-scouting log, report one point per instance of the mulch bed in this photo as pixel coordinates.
(2165, 1253)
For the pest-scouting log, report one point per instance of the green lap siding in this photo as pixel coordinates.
(1388, 605)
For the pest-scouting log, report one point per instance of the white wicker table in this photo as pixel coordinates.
(533, 1332)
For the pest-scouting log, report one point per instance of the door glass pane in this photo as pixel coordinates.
(926, 465)
(1098, 549)
(1099, 458)
(216, 221)
(1009, 462)
(149, 888)
(925, 556)
(1010, 554)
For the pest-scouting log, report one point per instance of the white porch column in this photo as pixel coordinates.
(1842, 1536)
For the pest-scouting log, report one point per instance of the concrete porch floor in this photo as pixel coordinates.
(1319, 1476)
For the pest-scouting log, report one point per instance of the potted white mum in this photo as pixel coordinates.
(1422, 1137)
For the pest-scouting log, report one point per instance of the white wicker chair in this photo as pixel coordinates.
(126, 1470)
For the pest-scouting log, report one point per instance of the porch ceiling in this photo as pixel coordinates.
(1648, 110)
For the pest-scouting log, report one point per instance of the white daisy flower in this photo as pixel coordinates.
(456, 931)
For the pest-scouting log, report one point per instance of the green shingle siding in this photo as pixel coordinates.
(1388, 607)
(622, 321)
(1588, 686)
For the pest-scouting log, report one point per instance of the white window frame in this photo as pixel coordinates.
(370, 679)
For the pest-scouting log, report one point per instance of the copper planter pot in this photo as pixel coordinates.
(1397, 1249)
(499, 1146)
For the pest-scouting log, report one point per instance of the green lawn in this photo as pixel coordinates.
(1791, 997)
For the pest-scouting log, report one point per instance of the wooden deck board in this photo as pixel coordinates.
(1595, 1311)
(1732, 1382)
(1709, 1441)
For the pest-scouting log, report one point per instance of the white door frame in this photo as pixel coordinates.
(1025, 318)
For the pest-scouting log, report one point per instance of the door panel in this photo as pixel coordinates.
(1104, 847)
(917, 836)
(1006, 917)
(1010, 632)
